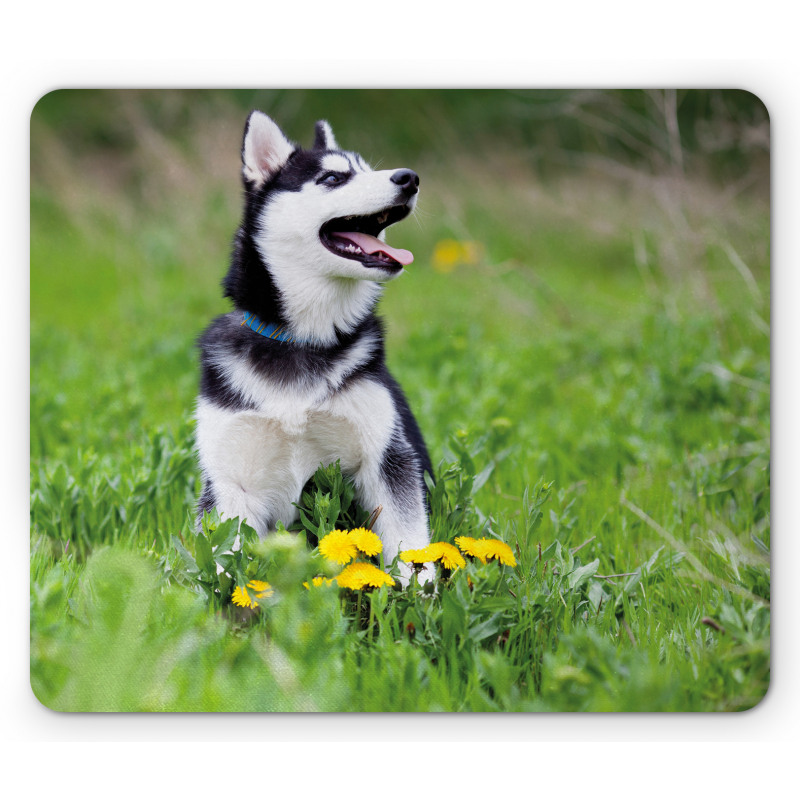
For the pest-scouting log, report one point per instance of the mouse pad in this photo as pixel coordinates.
(400, 400)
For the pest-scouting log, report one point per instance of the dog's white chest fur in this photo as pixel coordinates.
(260, 459)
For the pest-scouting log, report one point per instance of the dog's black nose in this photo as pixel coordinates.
(407, 180)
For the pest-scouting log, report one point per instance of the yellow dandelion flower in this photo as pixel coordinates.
(494, 548)
(261, 588)
(318, 581)
(240, 597)
(446, 255)
(338, 546)
(486, 549)
(472, 547)
(417, 556)
(360, 575)
(366, 541)
(447, 554)
(449, 253)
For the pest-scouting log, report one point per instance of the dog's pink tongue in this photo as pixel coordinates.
(369, 244)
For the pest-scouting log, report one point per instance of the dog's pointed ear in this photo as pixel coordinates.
(323, 137)
(264, 150)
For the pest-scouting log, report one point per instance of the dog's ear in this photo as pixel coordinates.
(323, 137)
(264, 150)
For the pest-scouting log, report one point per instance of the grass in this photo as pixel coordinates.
(592, 377)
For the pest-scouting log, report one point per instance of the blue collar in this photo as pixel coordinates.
(278, 333)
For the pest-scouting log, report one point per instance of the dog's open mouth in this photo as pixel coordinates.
(357, 238)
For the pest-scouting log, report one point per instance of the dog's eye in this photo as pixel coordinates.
(332, 179)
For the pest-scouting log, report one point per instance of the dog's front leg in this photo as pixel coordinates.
(395, 483)
(376, 451)
(232, 502)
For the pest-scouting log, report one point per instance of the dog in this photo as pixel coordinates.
(295, 376)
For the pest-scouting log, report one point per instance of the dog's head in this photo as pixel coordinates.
(323, 212)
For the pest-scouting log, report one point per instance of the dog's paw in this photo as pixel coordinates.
(425, 575)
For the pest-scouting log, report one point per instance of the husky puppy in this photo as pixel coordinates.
(295, 375)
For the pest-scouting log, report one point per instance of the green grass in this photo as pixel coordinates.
(593, 387)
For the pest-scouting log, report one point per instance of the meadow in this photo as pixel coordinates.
(583, 336)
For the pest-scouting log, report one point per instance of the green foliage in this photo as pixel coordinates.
(594, 390)
(328, 502)
(217, 558)
(139, 496)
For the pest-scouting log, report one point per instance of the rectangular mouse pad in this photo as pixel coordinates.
(400, 400)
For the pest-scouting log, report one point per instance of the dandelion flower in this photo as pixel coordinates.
(447, 554)
(472, 547)
(318, 581)
(486, 549)
(359, 575)
(449, 253)
(240, 597)
(494, 548)
(417, 556)
(261, 588)
(338, 546)
(366, 541)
